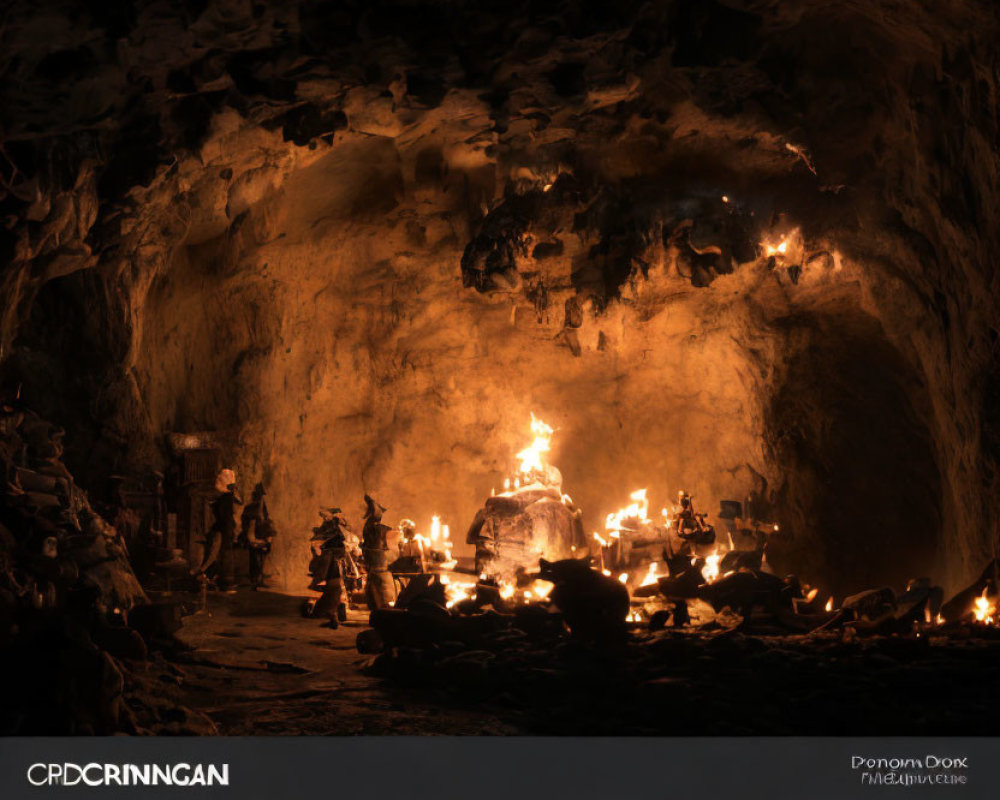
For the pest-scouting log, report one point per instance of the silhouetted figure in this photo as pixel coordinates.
(221, 536)
(331, 567)
(380, 588)
(256, 534)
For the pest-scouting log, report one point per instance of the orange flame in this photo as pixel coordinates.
(638, 509)
(531, 457)
(651, 575)
(710, 572)
(983, 609)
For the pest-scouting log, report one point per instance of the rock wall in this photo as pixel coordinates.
(366, 240)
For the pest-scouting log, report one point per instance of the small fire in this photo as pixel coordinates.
(637, 510)
(781, 245)
(438, 539)
(652, 575)
(531, 456)
(812, 594)
(506, 590)
(829, 605)
(634, 616)
(710, 572)
(776, 249)
(984, 609)
(623, 578)
(456, 591)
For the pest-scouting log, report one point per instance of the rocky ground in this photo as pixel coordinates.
(256, 667)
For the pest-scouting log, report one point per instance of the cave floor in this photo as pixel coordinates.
(257, 667)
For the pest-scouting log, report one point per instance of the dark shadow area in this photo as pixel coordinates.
(862, 488)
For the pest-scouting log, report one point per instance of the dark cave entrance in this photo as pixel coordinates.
(862, 491)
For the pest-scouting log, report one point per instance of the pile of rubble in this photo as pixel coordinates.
(747, 653)
(75, 625)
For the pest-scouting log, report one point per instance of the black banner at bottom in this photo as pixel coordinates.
(445, 768)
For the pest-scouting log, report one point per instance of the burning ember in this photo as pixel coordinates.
(457, 589)
(710, 571)
(984, 609)
(785, 246)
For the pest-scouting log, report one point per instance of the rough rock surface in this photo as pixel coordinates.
(367, 239)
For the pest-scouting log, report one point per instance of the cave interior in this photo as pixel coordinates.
(739, 248)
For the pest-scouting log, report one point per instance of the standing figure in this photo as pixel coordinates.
(256, 534)
(690, 527)
(220, 537)
(331, 567)
(380, 588)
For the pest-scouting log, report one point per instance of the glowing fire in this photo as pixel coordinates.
(829, 605)
(781, 245)
(531, 456)
(651, 575)
(637, 510)
(456, 590)
(983, 609)
(623, 578)
(438, 539)
(776, 249)
(710, 572)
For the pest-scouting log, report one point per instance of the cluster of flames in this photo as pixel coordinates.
(437, 539)
(532, 463)
(636, 511)
(531, 460)
(462, 587)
